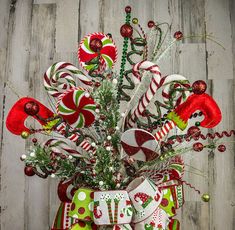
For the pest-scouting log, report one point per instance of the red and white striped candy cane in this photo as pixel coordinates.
(59, 78)
(59, 147)
(149, 94)
(85, 145)
(155, 84)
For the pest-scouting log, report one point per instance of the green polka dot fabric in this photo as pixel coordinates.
(84, 226)
(167, 203)
(82, 205)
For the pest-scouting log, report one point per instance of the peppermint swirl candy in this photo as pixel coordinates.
(60, 77)
(108, 53)
(77, 108)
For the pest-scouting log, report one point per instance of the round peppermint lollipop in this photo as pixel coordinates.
(97, 53)
(77, 108)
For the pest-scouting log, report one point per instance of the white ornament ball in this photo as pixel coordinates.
(97, 110)
(23, 157)
(32, 154)
(115, 81)
(93, 144)
(118, 185)
(52, 175)
(109, 138)
(108, 148)
(101, 183)
(87, 94)
(117, 128)
(70, 157)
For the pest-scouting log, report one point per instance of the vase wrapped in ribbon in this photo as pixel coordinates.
(112, 207)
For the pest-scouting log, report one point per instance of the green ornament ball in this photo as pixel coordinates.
(205, 197)
(135, 21)
(25, 134)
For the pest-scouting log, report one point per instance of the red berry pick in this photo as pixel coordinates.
(28, 170)
(198, 147)
(199, 87)
(96, 44)
(151, 24)
(31, 108)
(126, 31)
(194, 131)
(221, 148)
(178, 35)
(128, 9)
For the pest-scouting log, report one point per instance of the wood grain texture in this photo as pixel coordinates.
(41, 56)
(36, 33)
(16, 72)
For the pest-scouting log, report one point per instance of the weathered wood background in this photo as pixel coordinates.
(34, 34)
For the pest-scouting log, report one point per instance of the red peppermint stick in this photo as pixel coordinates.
(179, 117)
(155, 84)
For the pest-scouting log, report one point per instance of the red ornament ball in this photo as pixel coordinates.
(95, 44)
(178, 35)
(151, 24)
(198, 147)
(199, 87)
(128, 9)
(221, 148)
(28, 171)
(31, 108)
(126, 31)
(34, 140)
(194, 131)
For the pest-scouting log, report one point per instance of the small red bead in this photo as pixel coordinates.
(198, 147)
(93, 160)
(97, 84)
(34, 140)
(96, 44)
(151, 24)
(221, 148)
(102, 117)
(178, 35)
(199, 87)
(126, 31)
(28, 170)
(31, 108)
(127, 9)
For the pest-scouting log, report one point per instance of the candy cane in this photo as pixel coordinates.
(155, 84)
(59, 147)
(16, 118)
(179, 117)
(63, 71)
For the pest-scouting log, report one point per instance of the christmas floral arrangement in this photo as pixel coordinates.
(119, 163)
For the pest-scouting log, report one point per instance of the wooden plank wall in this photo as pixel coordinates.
(34, 34)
